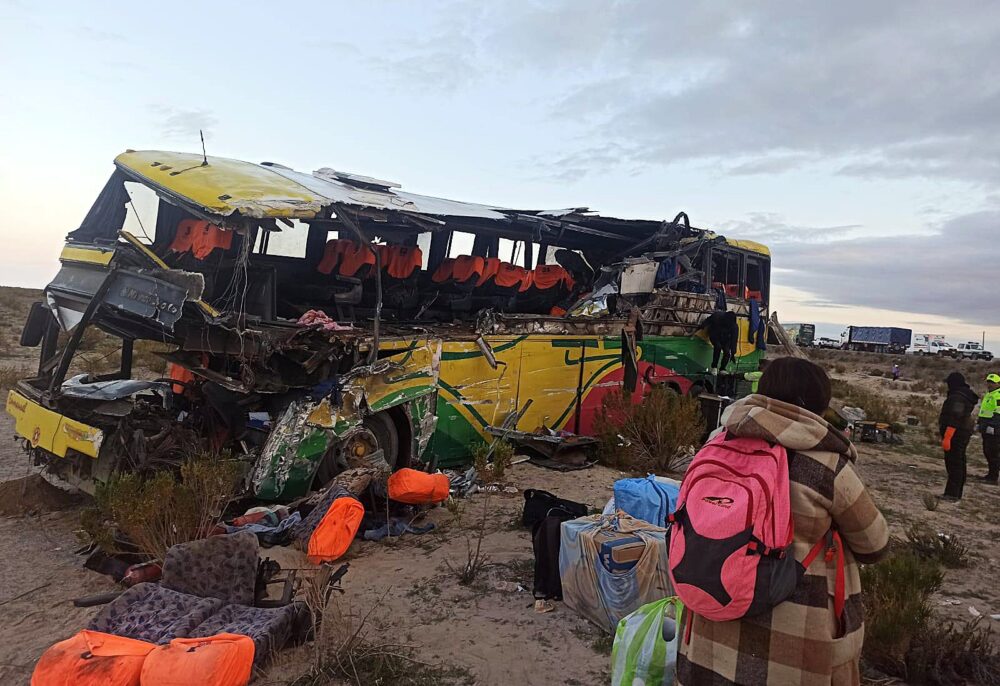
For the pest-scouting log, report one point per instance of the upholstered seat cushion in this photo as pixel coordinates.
(223, 567)
(150, 612)
(269, 627)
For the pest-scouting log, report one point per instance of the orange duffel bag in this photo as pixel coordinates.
(334, 533)
(92, 658)
(418, 488)
(220, 660)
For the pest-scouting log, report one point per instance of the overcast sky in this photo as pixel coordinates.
(859, 140)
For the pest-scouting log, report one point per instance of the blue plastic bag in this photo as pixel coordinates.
(646, 499)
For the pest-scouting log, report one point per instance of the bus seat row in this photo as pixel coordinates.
(486, 272)
(355, 260)
(732, 290)
(200, 238)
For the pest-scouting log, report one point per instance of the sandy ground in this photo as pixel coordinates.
(493, 634)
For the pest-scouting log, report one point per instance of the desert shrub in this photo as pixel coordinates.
(931, 501)
(948, 653)
(355, 648)
(876, 406)
(942, 548)
(654, 435)
(492, 466)
(164, 509)
(897, 595)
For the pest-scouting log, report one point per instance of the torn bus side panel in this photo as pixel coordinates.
(313, 430)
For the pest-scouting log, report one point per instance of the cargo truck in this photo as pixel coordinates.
(878, 339)
(802, 334)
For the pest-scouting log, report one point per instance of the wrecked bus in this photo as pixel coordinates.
(317, 322)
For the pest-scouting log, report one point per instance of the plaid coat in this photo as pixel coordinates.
(796, 642)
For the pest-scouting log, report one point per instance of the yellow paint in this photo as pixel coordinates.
(50, 430)
(752, 246)
(223, 186)
(74, 253)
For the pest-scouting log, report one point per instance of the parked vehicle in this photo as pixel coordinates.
(973, 351)
(828, 343)
(931, 344)
(801, 334)
(318, 322)
(878, 339)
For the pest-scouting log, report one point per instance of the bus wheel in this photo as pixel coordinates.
(377, 432)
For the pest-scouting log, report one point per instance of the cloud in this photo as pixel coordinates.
(185, 124)
(889, 90)
(951, 273)
(771, 229)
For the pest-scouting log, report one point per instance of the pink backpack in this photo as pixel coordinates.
(731, 535)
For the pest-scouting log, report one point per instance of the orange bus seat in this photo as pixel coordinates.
(332, 253)
(184, 376)
(334, 533)
(756, 295)
(401, 261)
(444, 271)
(220, 660)
(355, 259)
(511, 276)
(418, 488)
(201, 238)
(92, 658)
(184, 237)
(491, 266)
(467, 269)
(551, 276)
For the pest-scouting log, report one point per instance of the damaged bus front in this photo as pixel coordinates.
(313, 323)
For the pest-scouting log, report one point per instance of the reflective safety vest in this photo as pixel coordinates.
(990, 406)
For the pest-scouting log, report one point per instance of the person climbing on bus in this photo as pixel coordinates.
(989, 428)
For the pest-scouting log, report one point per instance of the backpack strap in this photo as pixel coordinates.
(834, 546)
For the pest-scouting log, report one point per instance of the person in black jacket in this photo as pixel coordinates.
(956, 425)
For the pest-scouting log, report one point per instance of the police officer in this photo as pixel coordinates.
(989, 427)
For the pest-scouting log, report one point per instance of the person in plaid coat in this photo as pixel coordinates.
(799, 641)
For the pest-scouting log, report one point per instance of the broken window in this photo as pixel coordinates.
(289, 241)
(727, 270)
(758, 277)
(141, 211)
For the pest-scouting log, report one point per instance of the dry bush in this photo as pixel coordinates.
(876, 406)
(931, 501)
(905, 638)
(655, 435)
(492, 466)
(357, 648)
(950, 653)
(929, 545)
(475, 559)
(162, 510)
(897, 595)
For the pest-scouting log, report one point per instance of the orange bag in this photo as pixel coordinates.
(334, 533)
(220, 660)
(92, 658)
(418, 488)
